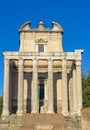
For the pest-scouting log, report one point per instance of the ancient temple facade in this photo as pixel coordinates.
(41, 77)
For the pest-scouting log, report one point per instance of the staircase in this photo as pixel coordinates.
(44, 122)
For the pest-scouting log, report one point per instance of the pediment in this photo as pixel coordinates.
(41, 41)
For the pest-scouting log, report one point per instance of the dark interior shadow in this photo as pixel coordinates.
(14, 87)
(69, 76)
(41, 77)
(56, 76)
(28, 77)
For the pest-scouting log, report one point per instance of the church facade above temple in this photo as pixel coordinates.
(32, 40)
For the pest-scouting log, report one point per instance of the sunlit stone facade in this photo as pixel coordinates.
(41, 77)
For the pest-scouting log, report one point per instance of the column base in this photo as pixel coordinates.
(5, 113)
(65, 113)
(73, 113)
(79, 113)
(19, 113)
(34, 112)
(50, 112)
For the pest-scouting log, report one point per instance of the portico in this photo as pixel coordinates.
(51, 74)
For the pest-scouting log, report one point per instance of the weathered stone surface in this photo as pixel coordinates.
(12, 122)
(85, 122)
(44, 122)
(43, 127)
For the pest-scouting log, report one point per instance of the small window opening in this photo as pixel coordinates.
(41, 48)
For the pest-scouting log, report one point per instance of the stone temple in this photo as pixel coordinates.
(40, 78)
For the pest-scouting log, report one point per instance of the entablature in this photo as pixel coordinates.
(76, 55)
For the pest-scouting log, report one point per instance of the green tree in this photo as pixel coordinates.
(1, 104)
(86, 90)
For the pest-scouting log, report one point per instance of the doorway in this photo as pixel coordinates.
(41, 91)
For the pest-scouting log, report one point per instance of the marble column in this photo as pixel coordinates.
(10, 88)
(35, 103)
(64, 88)
(79, 86)
(70, 91)
(50, 87)
(20, 88)
(6, 89)
(74, 90)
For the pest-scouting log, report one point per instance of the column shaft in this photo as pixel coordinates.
(20, 88)
(79, 86)
(35, 106)
(64, 88)
(50, 87)
(10, 89)
(70, 92)
(6, 88)
(74, 90)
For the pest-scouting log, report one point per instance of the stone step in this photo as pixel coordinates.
(26, 128)
(38, 117)
(43, 122)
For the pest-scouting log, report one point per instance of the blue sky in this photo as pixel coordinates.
(72, 15)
